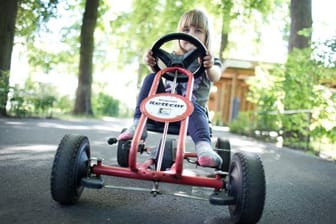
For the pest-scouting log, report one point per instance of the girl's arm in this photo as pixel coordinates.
(213, 68)
(149, 59)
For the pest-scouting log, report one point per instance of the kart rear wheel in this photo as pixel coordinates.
(168, 156)
(123, 151)
(71, 164)
(247, 186)
(223, 148)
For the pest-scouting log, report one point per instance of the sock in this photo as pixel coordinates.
(130, 131)
(207, 157)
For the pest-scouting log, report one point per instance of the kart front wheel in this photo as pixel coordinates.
(71, 164)
(247, 186)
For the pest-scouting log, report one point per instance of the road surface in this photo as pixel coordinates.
(300, 188)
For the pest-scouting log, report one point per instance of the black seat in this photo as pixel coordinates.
(173, 128)
(156, 126)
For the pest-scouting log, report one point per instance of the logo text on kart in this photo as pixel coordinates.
(167, 107)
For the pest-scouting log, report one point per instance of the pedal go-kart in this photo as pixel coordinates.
(238, 183)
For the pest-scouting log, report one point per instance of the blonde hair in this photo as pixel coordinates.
(198, 18)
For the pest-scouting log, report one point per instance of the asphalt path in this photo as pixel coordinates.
(300, 188)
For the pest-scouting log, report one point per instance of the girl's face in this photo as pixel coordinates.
(194, 31)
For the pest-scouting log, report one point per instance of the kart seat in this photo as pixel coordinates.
(173, 128)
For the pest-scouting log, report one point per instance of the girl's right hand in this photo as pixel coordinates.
(149, 59)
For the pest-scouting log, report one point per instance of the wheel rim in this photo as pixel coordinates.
(235, 189)
(82, 167)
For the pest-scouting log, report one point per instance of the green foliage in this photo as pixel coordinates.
(63, 105)
(35, 99)
(304, 90)
(296, 100)
(324, 52)
(136, 31)
(18, 107)
(104, 104)
(243, 124)
(33, 15)
(4, 88)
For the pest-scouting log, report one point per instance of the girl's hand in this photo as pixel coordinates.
(149, 59)
(213, 72)
(208, 61)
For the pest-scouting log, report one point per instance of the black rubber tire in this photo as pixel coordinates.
(223, 148)
(247, 186)
(168, 156)
(123, 151)
(71, 164)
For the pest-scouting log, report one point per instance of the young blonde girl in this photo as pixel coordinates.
(195, 23)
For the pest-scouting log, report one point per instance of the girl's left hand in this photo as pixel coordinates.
(208, 61)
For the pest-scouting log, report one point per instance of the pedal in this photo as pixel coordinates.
(112, 140)
(92, 182)
(221, 198)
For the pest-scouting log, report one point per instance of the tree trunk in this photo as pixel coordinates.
(83, 93)
(223, 45)
(226, 8)
(8, 11)
(301, 18)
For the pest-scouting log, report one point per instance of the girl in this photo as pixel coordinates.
(195, 23)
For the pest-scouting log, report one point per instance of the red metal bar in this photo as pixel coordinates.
(175, 175)
(135, 142)
(142, 122)
(162, 176)
(190, 155)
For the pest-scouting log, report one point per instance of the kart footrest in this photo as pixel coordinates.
(92, 182)
(221, 198)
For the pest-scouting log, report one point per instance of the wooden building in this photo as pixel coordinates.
(229, 94)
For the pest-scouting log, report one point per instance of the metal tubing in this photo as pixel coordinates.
(162, 176)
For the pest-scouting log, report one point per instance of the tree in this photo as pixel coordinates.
(301, 24)
(296, 73)
(22, 18)
(136, 31)
(230, 10)
(83, 93)
(8, 11)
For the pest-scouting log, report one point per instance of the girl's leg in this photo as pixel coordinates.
(144, 91)
(198, 130)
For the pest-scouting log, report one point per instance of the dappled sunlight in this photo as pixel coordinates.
(32, 148)
(111, 124)
(14, 123)
(221, 128)
(27, 153)
(63, 126)
(248, 145)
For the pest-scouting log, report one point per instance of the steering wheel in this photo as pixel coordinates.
(184, 61)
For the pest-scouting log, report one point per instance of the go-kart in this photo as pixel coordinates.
(239, 182)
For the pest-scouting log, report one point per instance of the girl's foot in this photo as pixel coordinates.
(129, 132)
(207, 157)
(126, 135)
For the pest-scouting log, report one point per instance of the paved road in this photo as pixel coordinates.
(300, 188)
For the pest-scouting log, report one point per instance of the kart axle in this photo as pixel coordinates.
(163, 176)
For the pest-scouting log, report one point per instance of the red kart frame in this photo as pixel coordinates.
(175, 174)
(238, 183)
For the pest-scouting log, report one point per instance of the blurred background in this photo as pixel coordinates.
(85, 58)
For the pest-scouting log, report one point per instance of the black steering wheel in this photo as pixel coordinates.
(184, 61)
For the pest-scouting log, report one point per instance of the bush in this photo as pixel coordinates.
(295, 100)
(35, 99)
(104, 104)
(243, 124)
